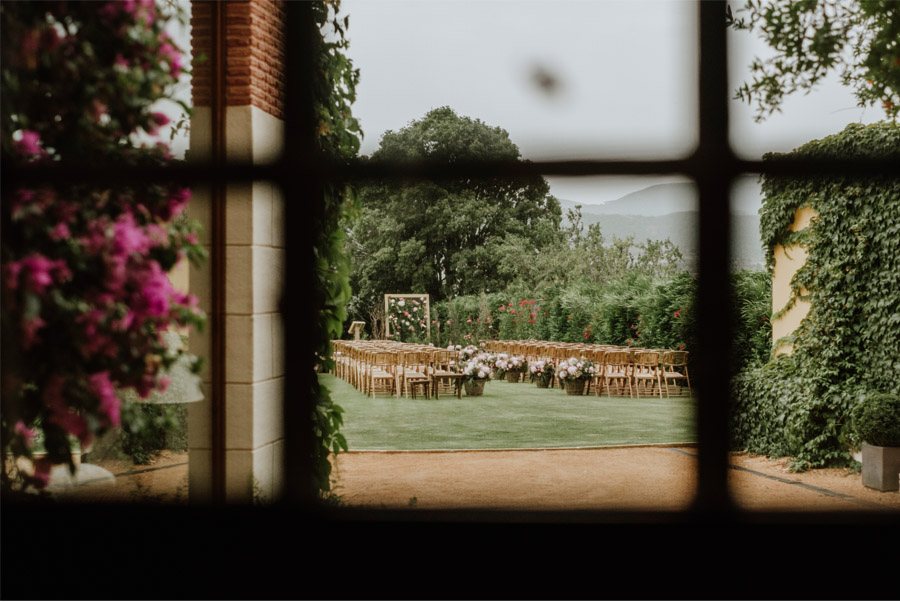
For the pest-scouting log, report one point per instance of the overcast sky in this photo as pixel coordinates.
(626, 73)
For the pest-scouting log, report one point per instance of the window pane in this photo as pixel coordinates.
(598, 283)
(566, 79)
(825, 110)
(802, 369)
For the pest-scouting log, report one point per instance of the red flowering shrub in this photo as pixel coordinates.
(85, 297)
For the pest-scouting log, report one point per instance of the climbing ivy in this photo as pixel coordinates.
(847, 346)
(339, 138)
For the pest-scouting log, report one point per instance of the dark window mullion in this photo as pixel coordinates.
(301, 186)
(714, 296)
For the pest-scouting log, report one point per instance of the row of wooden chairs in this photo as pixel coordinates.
(620, 370)
(383, 367)
(397, 369)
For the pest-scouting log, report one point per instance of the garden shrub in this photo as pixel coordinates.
(876, 419)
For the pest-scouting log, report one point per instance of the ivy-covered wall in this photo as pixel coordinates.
(849, 343)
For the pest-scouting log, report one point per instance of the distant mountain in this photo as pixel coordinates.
(668, 211)
(662, 199)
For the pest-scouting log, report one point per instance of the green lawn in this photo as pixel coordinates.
(508, 416)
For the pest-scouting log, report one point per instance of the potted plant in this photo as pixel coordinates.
(876, 422)
(513, 368)
(542, 372)
(575, 373)
(476, 372)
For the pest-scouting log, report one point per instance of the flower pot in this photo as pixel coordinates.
(575, 387)
(474, 388)
(542, 383)
(881, 467)
(512, 377)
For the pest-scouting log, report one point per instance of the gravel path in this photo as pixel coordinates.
(629, 478)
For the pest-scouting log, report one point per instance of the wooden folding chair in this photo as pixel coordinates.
(675, 368)
(617, 373)
(646, 374)
(415, 367)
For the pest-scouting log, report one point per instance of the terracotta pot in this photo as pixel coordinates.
(575, 387)
(474, 388)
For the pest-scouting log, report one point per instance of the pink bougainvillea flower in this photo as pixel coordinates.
(129, 237)
(24, 432)
(155, 291)
(121, 62)
(11, 273)
(106, 394)
(30, 328)
(60, 231)
(171, 54)
(61, 414)
(677, 313)
(178, 201)
(29, 144)
(39, 271)
(160, 119)
(163, 384)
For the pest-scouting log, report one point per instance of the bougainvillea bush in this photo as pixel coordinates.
(86, 298)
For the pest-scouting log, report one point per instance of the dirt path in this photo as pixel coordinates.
(633, 478)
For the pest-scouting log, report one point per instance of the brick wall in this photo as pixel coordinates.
(254, 45)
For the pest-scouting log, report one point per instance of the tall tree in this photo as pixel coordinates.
(444, 237)
(810, 38)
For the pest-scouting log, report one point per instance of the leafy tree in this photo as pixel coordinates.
(813, 37)
(586, 255)
(446, 237)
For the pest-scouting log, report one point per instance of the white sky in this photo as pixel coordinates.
(626, 73)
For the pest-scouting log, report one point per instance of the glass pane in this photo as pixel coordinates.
(114, 396)
(566, 79)
(825, 110)
(493, 425)
(801, 372)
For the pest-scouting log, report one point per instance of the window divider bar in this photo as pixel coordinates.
(714, 288)
(328, 171)
(302, 192)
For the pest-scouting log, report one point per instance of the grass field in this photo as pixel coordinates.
(508, 416)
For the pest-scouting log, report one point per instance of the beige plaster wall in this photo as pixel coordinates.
(789, 259)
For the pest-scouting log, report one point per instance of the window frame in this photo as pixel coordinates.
(302, 173)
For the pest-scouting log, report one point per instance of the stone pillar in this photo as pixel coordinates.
(254, 256)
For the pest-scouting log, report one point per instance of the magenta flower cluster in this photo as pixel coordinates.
(86, 299)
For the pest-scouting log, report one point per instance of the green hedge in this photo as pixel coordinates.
(847, 346)
(633, 310)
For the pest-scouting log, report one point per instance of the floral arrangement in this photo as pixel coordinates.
(468, 352)
(86, 300)
(542, 370)
(574, 370)
(407, 318)
(478, 368)
(503, 363)
(516, 363)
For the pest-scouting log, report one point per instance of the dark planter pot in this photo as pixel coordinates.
(575, 387)
(474, 388)
(513, 377)
(542, 383)
(881, 467)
